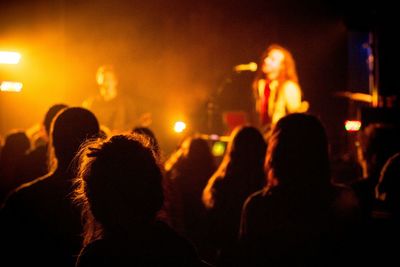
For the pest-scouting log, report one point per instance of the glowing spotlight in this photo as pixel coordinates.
(352, 125)
(7, 86)
(9, 57)
(179, 126)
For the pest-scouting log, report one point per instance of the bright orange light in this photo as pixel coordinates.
(7, 86)
(179, 126)
(9, 57)
(352, 126)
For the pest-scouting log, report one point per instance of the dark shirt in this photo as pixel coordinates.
(116, 114)
(32, 165)
(39, 225)
(282, 227)
(156, 245)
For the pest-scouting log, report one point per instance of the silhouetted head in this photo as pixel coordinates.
(298, 152)
(198, 148)
(388, 188)
(196, 156)
(247, 147)
(50, 114)
(120, 181)
(70, 128)
(16, 143)
(151, 136)
(242, 165)
(378, 142)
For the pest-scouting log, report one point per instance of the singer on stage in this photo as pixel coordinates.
(276, 88)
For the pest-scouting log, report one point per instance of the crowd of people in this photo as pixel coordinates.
(79, 195)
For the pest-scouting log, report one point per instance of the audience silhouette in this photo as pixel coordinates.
(15, 146)
(240, 174)
(35, 162)
(299, 217)
(188, 175)
(39, 224)
(119, 188)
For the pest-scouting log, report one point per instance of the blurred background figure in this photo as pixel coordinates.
(187, 174)
(276, 86)
(388, 187)
(114, 109)
(120, 191)
(376, 143)
(382, 230)
(240, 174)
(39, 225)
(15, 146)
(294, 219)
(35, 162)
(152, 138)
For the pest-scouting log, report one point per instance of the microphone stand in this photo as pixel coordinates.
(213, 108)
(214, 118)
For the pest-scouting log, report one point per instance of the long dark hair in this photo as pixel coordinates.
(244, 159)
(298, 152)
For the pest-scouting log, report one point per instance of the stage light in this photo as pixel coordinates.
(352, 125)
(214, 137)
(9, 57)
(7, 86)
(179, 126)
(218, 149)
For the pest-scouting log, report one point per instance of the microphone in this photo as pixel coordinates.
(252, 66)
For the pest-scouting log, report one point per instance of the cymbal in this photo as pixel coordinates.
(355, 96)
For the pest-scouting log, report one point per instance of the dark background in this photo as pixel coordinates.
(172, 56)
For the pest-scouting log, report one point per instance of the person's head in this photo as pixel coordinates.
(277, 63)
(119, 183)
(151, 136)
(297, 154)
(243, 162)
(376, 143)
(388, 187)
(16, 142)
(70, 128)
(108, 82)
(247, 145)
(198, 147)
(197, 154)
(15, 145)
(49, 116)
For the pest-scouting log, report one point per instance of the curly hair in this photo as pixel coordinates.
(119, 184)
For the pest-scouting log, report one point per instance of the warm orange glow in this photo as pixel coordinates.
(179, 126)
(9, 57)
(7, 86)
(352, 126)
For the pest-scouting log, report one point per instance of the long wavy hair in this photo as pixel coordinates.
(244, 160)
(297, 155)
(288, 72)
